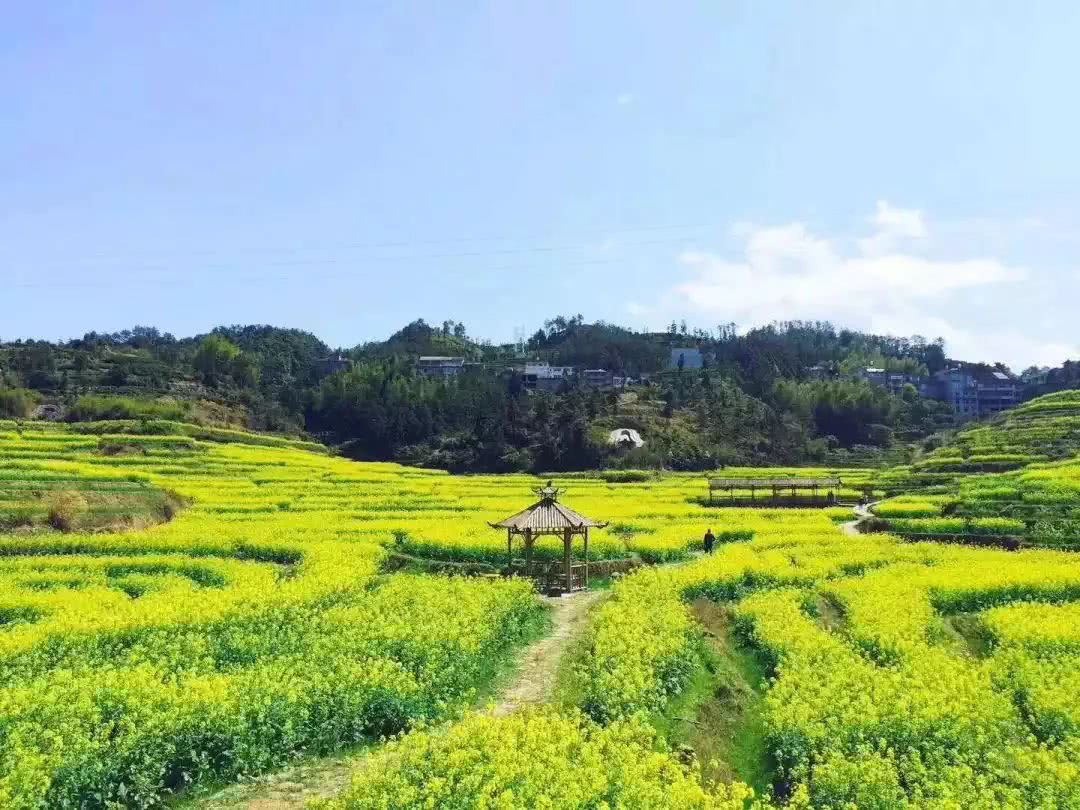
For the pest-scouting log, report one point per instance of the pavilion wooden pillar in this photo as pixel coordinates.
(586, 558)
(568, 539)
(547, 517)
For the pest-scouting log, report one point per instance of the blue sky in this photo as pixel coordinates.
(346, 167)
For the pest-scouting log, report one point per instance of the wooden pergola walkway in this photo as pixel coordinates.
(785, 490)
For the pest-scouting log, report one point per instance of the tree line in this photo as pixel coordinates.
(782, 393)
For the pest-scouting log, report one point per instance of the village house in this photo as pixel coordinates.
(545, 377)
(894, 381)
(597, 378)
(335, 363)
(976, 391)
(444, 367)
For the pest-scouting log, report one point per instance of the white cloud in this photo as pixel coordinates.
(880, 282)
(1017, 349)
(893, 226)
(624, 99)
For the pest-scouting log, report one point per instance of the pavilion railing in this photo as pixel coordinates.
(550, 575)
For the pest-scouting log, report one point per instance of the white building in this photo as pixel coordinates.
(433, 366)
(546, 377)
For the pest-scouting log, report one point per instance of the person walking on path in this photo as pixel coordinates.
(710, 539)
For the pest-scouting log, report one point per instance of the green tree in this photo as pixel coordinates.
(215, 357)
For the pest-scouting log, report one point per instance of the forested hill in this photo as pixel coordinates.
(786, 393)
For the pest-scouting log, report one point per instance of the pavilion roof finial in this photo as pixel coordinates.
(548, 516)
(548, 492)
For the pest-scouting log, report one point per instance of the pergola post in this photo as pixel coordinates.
(528, 552)
(510, 549)
(568, 539)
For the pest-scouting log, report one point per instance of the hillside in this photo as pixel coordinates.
(788, 393)
(1015, 476)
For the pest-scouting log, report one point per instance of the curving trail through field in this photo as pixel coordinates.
(862, 512)
(538, 664)
(532, 684)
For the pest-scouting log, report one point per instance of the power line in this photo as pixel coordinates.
(390, 244)
(132, 275)
(183, 279)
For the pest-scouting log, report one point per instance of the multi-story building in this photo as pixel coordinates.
(335, 363)
(975, 391)
(597, 378)
(433, 366)
(545, 377)
(894, 381)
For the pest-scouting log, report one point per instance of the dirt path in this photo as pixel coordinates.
(539, 663)
(533, 683)
(862, 512)
(284, 790)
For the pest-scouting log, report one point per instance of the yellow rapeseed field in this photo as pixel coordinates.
(257, 624)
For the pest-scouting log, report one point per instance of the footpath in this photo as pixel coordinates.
(532, 684)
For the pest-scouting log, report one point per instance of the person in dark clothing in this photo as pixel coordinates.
(710, 539)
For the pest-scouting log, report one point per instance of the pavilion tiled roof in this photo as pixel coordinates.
(548, 516)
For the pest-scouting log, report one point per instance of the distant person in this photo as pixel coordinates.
(710, 540)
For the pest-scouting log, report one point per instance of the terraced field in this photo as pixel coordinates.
(251, 627)
(1016, 476)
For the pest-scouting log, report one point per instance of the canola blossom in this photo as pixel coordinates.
(252, 627)
(892, 705)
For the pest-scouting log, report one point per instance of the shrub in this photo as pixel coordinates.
(65, 510)
(17, 402)
(626, 476)
(97, 407)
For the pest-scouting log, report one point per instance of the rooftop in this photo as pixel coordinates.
(798, 483)
(547, 516)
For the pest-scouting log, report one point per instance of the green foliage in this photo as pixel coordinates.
(17, 403)
(855, 412)
(100, 407)
(752, 403)
(572, 342)
(215, 357)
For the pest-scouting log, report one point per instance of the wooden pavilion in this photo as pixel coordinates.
(781, 490)
(548, 516)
